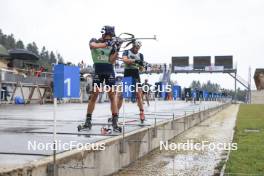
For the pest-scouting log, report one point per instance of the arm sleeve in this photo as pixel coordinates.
(93, 40)
(141, 57)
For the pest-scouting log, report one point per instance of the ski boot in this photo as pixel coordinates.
(142, 116)
(109, 120)
(87, 125)
(116, 128)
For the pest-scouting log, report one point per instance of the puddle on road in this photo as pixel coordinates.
(215, 130)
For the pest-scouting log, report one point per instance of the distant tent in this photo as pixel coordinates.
(3, 51)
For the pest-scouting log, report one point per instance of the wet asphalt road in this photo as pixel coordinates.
(24, 124)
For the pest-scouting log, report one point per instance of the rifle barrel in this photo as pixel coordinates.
(142, 38)
(146, 38)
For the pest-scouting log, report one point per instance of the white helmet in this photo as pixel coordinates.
(137, 44)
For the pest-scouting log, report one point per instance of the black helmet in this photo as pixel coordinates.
(108, 30)
(137, 44)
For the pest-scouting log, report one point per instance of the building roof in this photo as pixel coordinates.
(23, 54)
(258, 71)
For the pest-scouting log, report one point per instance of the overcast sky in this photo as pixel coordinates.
(184, 28)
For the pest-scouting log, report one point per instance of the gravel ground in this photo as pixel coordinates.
(215, 130)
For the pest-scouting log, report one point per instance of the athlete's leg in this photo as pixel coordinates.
(97, 81)
(139, 99)
(90, 109)
(119, 99)
(140, 104)
(92, 101)
(147, 97)
(110, 81)
(112, 98)
(143, 94)
(114, 110)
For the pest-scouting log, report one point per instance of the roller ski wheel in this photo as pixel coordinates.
(117, 129)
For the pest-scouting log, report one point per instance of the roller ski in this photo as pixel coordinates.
(86, 125)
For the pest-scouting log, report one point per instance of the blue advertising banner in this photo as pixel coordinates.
(127, 88)
(194, 93)
(205, 94)
(66, 81)
(176, 91)
(163, 91)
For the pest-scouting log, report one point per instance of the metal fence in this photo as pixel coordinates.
(9, 76)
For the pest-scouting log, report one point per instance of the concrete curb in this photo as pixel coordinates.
(222, 172)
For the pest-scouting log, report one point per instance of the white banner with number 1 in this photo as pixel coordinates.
(68, 82)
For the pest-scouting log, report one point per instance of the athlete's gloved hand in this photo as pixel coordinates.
(118, 41)
(139, 62)
(115, 48)
(109, 43)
